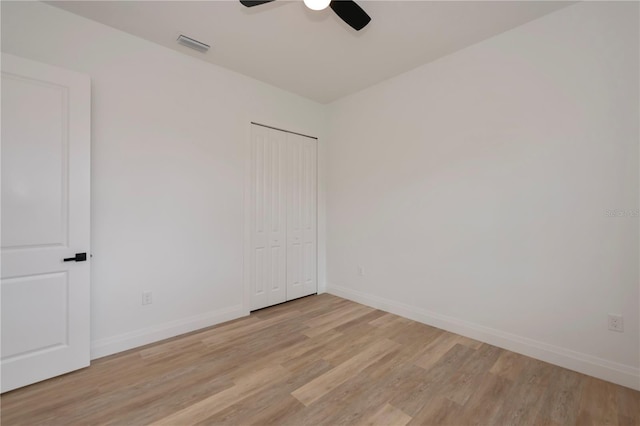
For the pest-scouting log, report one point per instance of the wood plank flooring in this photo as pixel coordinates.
(321, 360)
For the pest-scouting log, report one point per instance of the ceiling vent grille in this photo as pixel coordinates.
(192, 43)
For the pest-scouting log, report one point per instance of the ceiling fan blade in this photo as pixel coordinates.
(251, 3)
(350, 13)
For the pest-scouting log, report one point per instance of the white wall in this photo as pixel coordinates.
(474, 191)
(169, 136)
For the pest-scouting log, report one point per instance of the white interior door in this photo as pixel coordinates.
(45, 219)
(268, 217)
(301, 217)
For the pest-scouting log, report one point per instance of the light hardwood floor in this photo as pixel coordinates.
(321, 360)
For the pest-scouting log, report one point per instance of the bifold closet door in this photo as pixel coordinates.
(301, 216)
(282, 263)
(268, 258)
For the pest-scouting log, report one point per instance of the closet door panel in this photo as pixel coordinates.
(268, 217)
(277, 286)
(258, 257)
(301, 218)
(309, 226)
(294, 234)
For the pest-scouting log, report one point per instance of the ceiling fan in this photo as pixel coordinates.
(347, 10)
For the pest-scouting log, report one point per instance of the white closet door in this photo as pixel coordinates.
(268, 217)
(301, 217)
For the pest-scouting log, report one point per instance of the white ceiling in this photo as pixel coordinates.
(315, 54)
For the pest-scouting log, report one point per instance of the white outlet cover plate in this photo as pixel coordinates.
(616, 322)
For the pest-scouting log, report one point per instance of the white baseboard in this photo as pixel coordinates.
(593, 366)
(134, 339)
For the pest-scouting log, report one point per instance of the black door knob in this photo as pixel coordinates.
(79, 257)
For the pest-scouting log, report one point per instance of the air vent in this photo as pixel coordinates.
(192, 43)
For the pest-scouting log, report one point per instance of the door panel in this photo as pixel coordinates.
(301, 219)
(28, 333)
(294, 234)
(258, 239)
(277, 219)
(36, 172)
(45, 218)
(310, 235)
(268, 210)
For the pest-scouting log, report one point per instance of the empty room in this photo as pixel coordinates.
(320, 212)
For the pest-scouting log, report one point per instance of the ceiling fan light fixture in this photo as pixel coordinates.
(317, 4)
(347, 10)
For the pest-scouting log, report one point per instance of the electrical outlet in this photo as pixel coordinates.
(147, 298)
(615, 323)
(361, 270)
